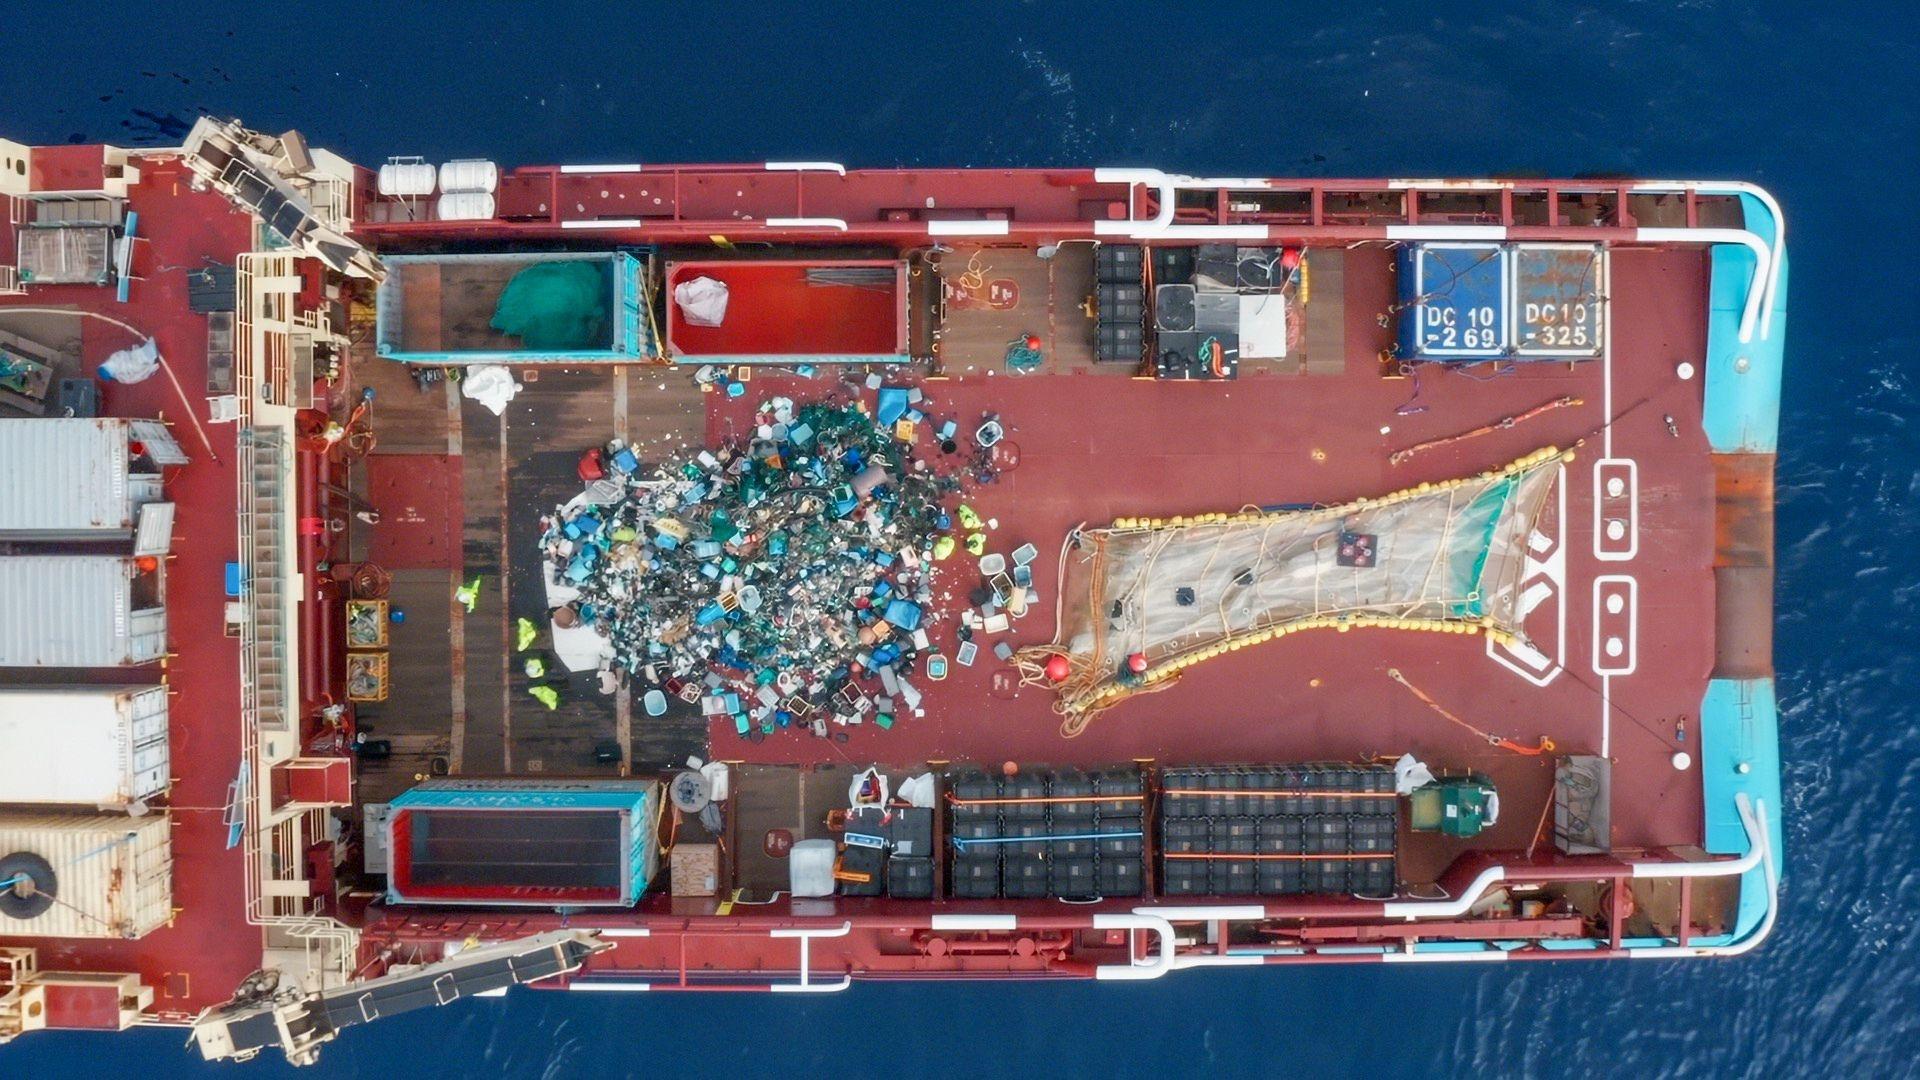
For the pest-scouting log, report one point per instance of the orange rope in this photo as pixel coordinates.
(1545, 746)
(1269, 858)
(1272, 793)
(957, 801)
(1502, 424)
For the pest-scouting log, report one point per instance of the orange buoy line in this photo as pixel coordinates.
(1545, 745)
(1501, 424)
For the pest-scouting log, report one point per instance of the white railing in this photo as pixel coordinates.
(262, 343)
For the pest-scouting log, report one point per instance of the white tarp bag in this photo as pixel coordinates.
(1409, 774)
(703, 301)
(132, 365)
(875, 793)
(918, 790)
(719, 780)
(491, 385)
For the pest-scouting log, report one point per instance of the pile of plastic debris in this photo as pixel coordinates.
(784, 580)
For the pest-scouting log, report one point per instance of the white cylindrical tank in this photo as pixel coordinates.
(464, 206)
(469, 175)
(409, 179)
(94, 875)
(98, 747)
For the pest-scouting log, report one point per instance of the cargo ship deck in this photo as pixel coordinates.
(1094, 445)
(1646, 625)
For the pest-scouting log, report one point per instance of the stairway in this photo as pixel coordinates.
(263, 519)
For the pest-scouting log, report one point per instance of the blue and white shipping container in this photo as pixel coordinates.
(525, 843)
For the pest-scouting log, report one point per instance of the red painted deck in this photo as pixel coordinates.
(1096, 447)
(209, 947)
(419, 500)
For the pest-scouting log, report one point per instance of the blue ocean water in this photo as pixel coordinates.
(1815, 101)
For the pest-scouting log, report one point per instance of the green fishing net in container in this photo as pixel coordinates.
(555, 307)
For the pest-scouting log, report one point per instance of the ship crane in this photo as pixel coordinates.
(262, 1014)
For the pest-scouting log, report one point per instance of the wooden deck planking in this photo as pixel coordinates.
(1048, 294)
(1325, 346)
(415, 716)
(483, 728)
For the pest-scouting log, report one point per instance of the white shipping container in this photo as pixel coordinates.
(81, 479)
(80, 611)
(112, 874)
(101, 747)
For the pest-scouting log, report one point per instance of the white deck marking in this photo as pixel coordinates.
(1606, 357)
(1606, 716)
(1610, 509)
(1616, 624)
(1545, 578)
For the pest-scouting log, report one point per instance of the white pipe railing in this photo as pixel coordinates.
(806, 934)
(807, 166)
(1133, 227)
(1763, 256)
(1159, 960)
(836, 224)
(1158, 921)
(1766, 199)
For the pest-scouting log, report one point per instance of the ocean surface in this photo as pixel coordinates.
(1815, 101)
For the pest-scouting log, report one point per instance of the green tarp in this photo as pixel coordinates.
(555, 307)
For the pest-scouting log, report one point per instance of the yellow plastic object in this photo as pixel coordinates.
(469, 595)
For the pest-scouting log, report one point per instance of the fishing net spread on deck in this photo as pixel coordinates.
(1144, 599)
(555, 306)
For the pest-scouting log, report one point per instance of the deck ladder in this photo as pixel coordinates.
(263, 519)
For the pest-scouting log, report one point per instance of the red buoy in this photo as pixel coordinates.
(1137, 663)
(1033, 342)
(1057, 668)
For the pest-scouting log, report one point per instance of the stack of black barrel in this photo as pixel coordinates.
(1272, 830)
(1046, 833)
